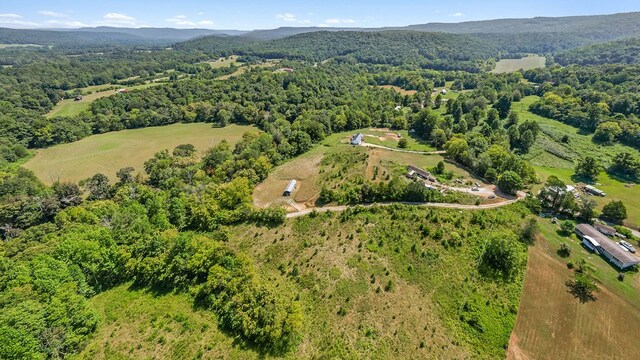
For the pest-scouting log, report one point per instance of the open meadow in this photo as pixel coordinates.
(107, 153)
(71, 107)
(525, 63)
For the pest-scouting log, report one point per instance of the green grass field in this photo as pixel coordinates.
(107, 153)
(525, 63)
(138, 324)
(224, 62)
(550, 151)
(70, 107)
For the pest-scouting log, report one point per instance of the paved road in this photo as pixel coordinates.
(427, 204)
(439, 152)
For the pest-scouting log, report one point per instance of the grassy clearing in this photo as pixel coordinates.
(224, 62)
(390, 138)
(616, 190)
(137, 324)
(244, 68)
(107, 153)
(71, 107)
(374, 286)
(551, 321)
(525, 63)
(4, 46)
(550, 151)
(312, 174)
(398, 89)
(550, 156)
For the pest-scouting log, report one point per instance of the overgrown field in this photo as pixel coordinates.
(107, 153)
(551, 321)
(525, 63)
(394, 283)
(142, 324)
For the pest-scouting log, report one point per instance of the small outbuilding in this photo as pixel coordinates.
(78, 98)
(594, 190)
(291, 186)
(605, 229)
(357, 139)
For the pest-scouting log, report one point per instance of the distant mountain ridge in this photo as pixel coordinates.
(581, 30)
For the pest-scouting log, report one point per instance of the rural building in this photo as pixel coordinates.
(357, 139)
(595, 240)
(444, 92)
(122, 91)
(287, 69)
(290, 187)
(605, 229)
(594, 190)
(560, 191)
(416, 171)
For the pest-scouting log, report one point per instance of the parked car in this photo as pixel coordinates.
(623, 247)
(554, 220)
(492, 196)
(627, 246)
(475, 188)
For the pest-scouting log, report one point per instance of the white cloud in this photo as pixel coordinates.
(116, 19)
(13, 20)
(10, 16)
(201, 13)
(206, 22)
(180, 21)
(337, 21)
(67, 23)
(52, 14)
(291, 18)
(458, 14)
(287, 17)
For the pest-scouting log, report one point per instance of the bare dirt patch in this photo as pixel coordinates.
(303, 169)
(399, 89)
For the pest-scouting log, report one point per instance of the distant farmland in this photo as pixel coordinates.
(71, 107)
(107, 153)
(513, 65)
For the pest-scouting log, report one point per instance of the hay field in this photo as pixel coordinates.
(551, 321)
(107, 153)
(525, 63)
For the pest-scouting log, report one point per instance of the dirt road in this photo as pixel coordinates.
(439, 152)
(304, 212)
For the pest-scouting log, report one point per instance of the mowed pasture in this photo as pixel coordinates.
(551, 321)
(525, 63)
(107, 153)
(224, 62)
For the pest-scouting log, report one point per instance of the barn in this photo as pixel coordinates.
(290, 187)
(594, 239)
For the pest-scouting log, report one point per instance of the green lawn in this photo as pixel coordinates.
(107, 153)
(616, 190)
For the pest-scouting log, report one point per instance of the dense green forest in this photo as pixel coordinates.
(617, 52)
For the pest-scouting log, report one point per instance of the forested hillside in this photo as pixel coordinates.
(617, 52)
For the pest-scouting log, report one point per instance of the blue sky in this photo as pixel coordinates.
(229, 14)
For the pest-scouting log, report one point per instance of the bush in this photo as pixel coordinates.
(564, 251)
(567, 227)
(510, 182)
(502, 257)
(614, 211)
(403, 143)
